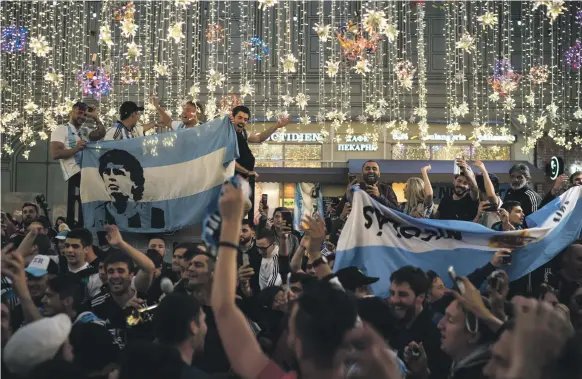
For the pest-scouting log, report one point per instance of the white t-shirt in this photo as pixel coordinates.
(269, 274)
(118, 132)
(178, 125)
(61, 134)
(94, 284)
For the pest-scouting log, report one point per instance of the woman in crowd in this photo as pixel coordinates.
(419, 196)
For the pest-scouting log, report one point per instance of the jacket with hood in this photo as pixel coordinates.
(471, 367)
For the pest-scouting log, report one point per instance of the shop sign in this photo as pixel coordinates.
(357, 143)
(295, 137)
(453, 137)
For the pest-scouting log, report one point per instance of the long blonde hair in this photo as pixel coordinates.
(414, 194)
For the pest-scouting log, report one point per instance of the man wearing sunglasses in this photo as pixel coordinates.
(67, 141)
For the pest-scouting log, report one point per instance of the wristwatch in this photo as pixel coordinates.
(319, 261)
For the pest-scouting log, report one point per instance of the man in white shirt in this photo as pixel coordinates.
(75, 252)
(191, 115)
(67, 141)
(267, 247)
(126, 127)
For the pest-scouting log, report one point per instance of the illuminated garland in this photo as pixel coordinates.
(14, 38)
(130, 75)
(573, 56)
(95, 81)
(255, 49)
(504, 80)
(353, 41)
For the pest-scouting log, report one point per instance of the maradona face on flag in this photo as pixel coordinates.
(379, 240)
(156, 183)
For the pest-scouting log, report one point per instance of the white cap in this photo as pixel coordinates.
(36, 343)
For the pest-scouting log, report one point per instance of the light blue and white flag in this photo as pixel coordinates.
(162, 182)
(308, 200)
(379, 240)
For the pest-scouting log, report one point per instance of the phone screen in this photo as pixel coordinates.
(287, 218)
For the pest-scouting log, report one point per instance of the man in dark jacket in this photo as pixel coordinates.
(381, 192)
(521, 191)
(467, 344)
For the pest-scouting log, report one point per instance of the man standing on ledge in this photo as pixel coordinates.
(245, 164)
(129, 114)
(66, 142)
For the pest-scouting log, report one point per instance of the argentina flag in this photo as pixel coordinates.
(308, 200)
(379, 240)
(157, 183)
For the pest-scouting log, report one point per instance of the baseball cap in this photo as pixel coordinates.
(352, 278)
(127, 108)
(36, 343)
(42, 265)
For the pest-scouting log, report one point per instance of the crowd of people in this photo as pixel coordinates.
(266, 303)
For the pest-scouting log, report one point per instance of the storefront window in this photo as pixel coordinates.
(492, 153)
(410, 152)
(450, 153)
(279, 155)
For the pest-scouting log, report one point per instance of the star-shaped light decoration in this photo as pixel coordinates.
(215, 79)
(264, 4)
(305, 120)
(390, 31)
(578, 113)
(30, 107)
(461, 110)
(133, 50)
(161, 70)
(494, 97)
(194, 90)
(246, 89)
(289, 62)
(105, 36)
(287, 100)
(541, 121)
(522, 119)
(555, 9)
(420, 112)
(362, 119)
(40, 46)
(323, 31)
(390, 125)
(466, 42)
(128, 27)
(530, 99)
(302, 100)
(53, 77)
(320, 118)
(553, 111)
(269, 115)
(175, 32)
(509, 103)
(42, 135)
(332, 67)
(488, 19)
(374, 21)
(362, 67)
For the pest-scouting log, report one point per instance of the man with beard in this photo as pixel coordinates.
(381, 192)
(158, 244)
(125, 290)
(249, 257)
(29, 212)
(574, 180)
(180, 322)
(463, 203)
(521, 191)
(192, 114)
(124, 181)
(318, 322)
(66, 142)
(408, 289)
